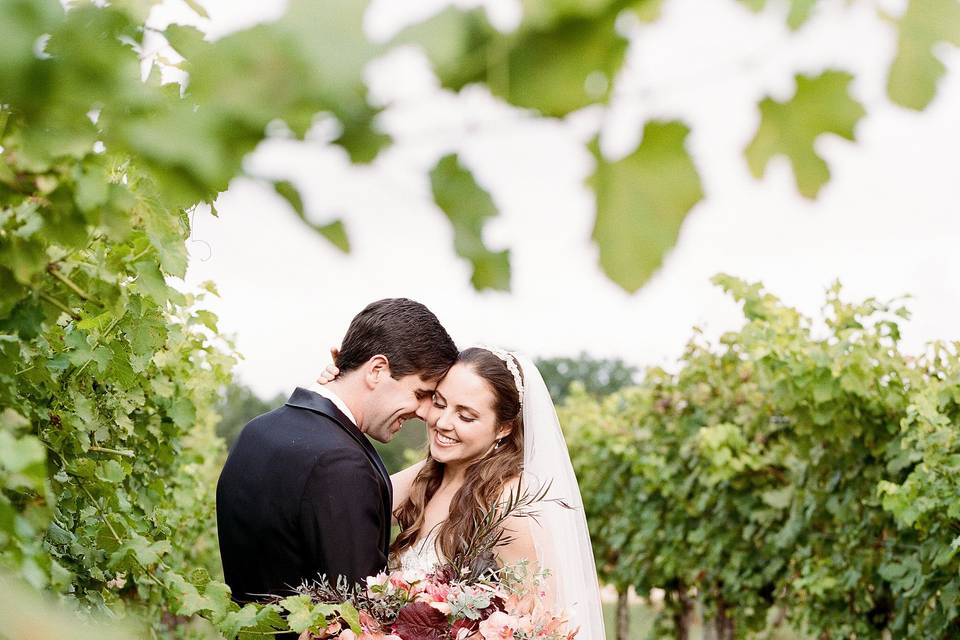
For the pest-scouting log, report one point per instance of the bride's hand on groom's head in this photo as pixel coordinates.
(330, 372)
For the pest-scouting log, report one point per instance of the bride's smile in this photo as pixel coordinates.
(445, 440)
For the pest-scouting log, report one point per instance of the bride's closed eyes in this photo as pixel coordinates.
(441, 404)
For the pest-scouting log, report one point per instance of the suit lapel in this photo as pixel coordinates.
(305, 399)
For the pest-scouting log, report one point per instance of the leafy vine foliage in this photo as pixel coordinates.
(790, 470)
(108, 456)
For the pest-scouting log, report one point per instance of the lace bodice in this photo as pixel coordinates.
(421, 555)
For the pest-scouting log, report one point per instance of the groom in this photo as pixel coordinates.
(303, 491)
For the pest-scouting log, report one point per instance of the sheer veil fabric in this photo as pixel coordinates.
(561, 538)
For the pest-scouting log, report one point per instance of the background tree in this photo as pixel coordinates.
(783, 472)
(239, 404)
(598, 376)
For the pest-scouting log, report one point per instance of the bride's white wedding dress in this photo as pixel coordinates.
(420, 556)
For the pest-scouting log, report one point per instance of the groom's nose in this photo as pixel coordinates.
(423, 406)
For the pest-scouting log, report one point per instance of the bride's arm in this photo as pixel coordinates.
(402, 480)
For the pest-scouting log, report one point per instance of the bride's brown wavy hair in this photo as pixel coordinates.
(485, 478)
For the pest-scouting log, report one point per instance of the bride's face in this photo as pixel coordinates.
(462, 423)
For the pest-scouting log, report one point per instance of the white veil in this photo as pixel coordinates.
(563, 540)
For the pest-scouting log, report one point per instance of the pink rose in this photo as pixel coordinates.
(499, 626)
(438, 592)
(397, 582)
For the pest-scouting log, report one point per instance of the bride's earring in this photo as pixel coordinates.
(499, 442)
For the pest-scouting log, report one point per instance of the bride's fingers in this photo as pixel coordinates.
(329, 374)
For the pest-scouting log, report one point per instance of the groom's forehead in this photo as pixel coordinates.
(421, 384)
(428, 384)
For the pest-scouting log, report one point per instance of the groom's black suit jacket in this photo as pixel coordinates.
(303, 492)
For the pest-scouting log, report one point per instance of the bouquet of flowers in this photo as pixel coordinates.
(468, 598)
(412, 605)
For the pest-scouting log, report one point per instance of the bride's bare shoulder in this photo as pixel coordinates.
(511, 485)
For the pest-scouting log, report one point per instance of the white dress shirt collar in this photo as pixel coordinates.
(327, 392)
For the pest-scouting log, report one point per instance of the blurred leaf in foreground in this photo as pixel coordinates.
(468, 207)
(642, 201)
(821, 104)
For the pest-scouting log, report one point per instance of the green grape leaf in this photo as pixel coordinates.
(167, 236)
(144, 551)
(25, 258)
(26, 319)
(447, 38)
(468, 207)
(218, 599)
(182, 412)
(565, 68)
(642, 200)
(21, 23)
(259, 620)
(778, 498)
(111, 471)
(821, 104)
(150, 282)
(145, 334)
(333, 231)
(197, 8)
(189, 599)
(303, 614)
(92, 189)
(331, 33)
(546, 12)
(336, 233)
(11, 291)
(351, 616)
(563, 58)
(648, 10)
(23, 459)
(206, 318)
(292, 195)
(359, 136)
(916, 70)
(235, 620)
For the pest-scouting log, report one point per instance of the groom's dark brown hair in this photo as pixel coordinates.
(403, 330)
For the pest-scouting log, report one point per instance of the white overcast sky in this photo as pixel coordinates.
(885, 225)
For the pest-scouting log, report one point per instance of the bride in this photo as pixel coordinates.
(492, 428)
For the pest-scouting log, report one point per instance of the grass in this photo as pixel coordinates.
(641, 624)
(641, 620)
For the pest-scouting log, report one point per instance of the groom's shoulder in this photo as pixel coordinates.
(295, 429)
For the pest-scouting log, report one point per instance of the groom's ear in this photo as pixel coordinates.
(375, 369)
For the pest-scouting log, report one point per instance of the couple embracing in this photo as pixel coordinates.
(304, 493)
